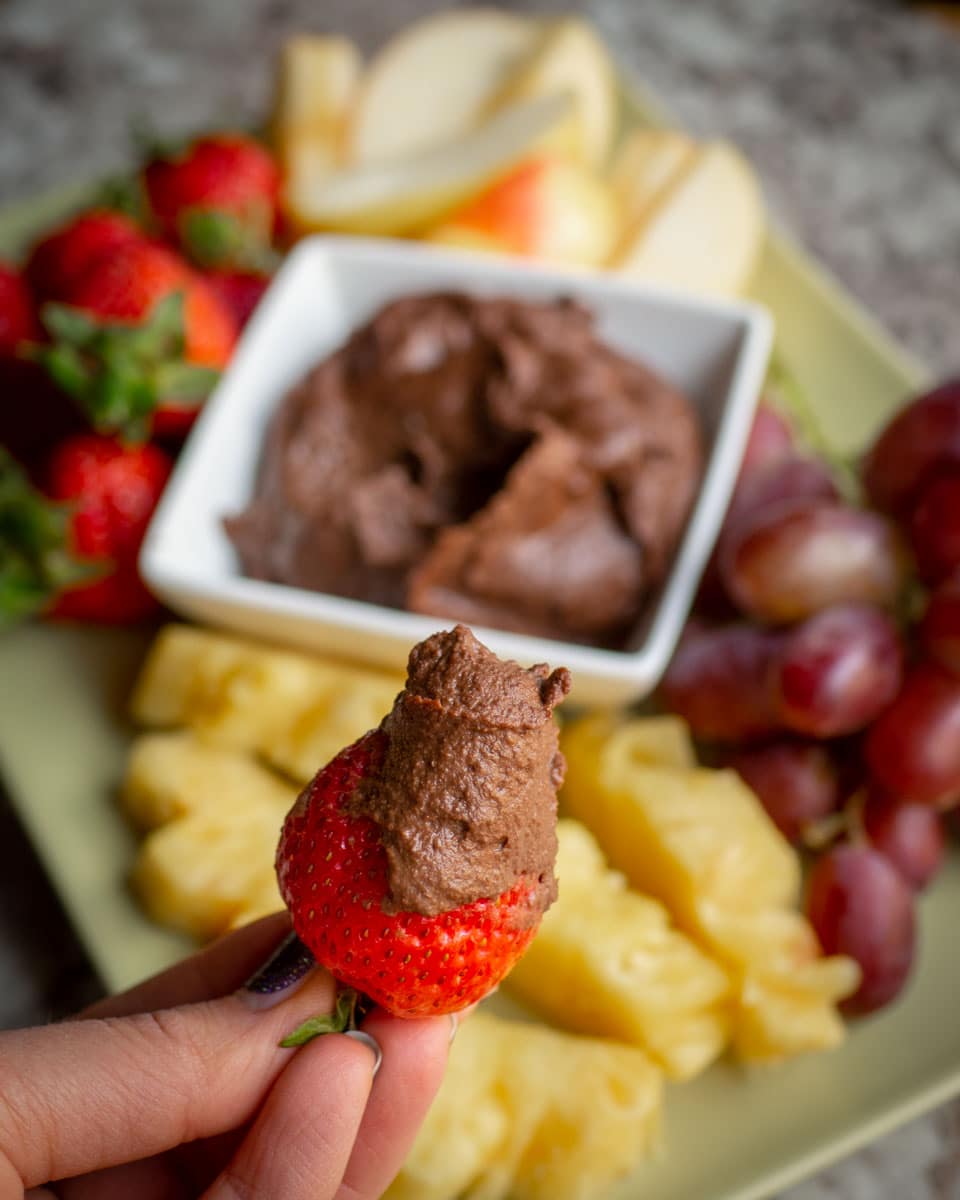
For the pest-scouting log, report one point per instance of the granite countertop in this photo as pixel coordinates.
(849, 108)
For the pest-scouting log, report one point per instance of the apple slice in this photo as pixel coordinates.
(570, 57)
(316, 84)
(705, 231)
(647, 163)
(399, 198)
(546, 208)
(432, 83)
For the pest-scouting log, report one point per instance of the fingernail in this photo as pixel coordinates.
(283, 972)
(454, 1026)
(360, 1035)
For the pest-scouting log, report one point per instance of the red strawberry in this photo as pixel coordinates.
(127, 285)
(114, 490)
(58, 261)
(218, 199)
(140, 341)
(336, 865)
(409, 964)
(239, 291)
(18, 319)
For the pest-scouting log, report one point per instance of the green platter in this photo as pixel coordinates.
(731, 1135)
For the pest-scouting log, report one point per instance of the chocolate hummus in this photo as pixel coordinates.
(466, 799)
(489, 460)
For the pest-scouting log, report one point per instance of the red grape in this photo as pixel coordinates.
(838, 670)
(770, 439)
(719, 682)
(913, 750)
(921, 440)
(789, 477)
(935, 529)
(940, 629)
(793, 477)
(861, 906)
(794, 781)
(910, 835)
(789, 562)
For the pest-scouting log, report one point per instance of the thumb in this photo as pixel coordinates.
(88, 1094)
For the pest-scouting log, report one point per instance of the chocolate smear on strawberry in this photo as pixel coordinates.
(466, 799)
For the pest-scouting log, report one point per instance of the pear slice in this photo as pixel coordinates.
(647, 163)
(705, 231)
(546, 208)
(398, 198)
(315, 88)
(432, 83)
(570, 57)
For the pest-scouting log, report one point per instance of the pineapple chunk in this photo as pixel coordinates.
(262, 900)
(607, 961)
(533, 1114)
(295, 711)
(200, 872)
(689, 836)
(700, 842)
(216, 816)
(226, 687)
(647, 741)
(780, 1017)
(171, 775)
(468, 1125)
(353, 703)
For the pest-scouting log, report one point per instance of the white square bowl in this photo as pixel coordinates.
(715, 351)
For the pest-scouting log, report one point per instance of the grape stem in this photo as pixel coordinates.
(856, 829)
(818, 835)
(847, 824)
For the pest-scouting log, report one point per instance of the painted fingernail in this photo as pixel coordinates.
(283, 972)
(454, 1026)
(360, 1035)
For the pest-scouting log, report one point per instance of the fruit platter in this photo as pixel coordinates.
(749, 968)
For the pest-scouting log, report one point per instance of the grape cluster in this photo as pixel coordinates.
(800, 670)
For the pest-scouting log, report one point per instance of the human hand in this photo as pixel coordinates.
(179, 1088)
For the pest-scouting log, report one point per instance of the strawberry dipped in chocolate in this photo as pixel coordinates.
(418, 863)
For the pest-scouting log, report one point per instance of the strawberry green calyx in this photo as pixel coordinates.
(214, 237)
(35, 565)
(341, 1020)
(124, 194)
(149, 143)
(119, 372)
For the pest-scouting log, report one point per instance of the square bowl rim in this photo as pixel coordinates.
(176, 577)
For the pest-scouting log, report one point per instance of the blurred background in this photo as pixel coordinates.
(849, 109)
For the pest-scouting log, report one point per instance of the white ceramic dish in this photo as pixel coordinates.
(715, 351)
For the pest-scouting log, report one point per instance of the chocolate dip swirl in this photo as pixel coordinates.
(483, 459)
(466, 799)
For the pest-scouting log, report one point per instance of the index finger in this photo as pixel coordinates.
(414, 1058)
(89, 1094)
